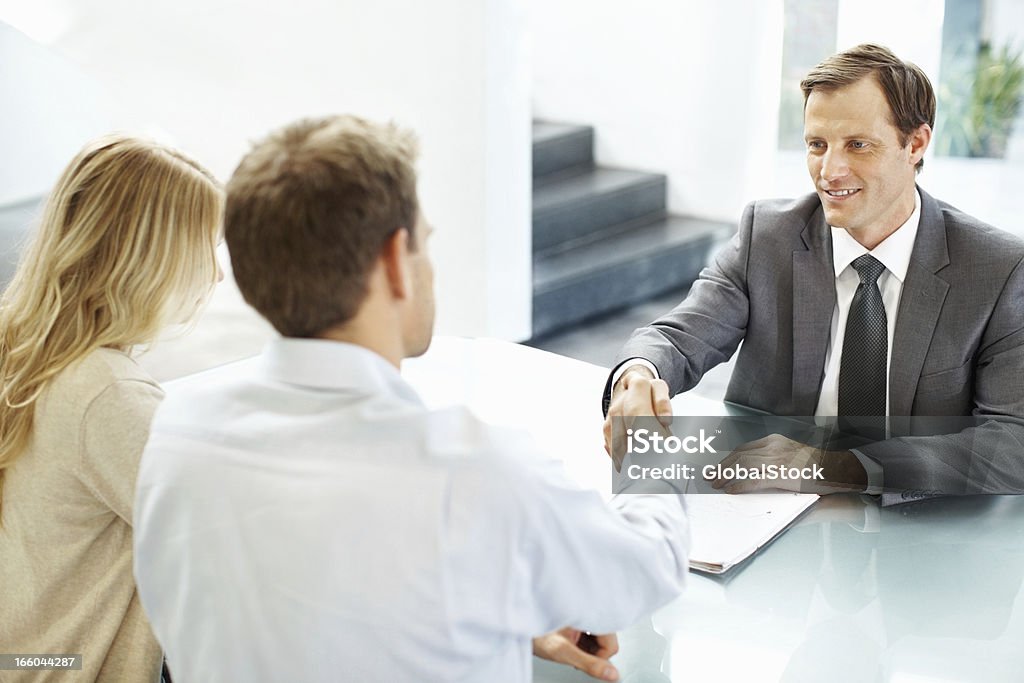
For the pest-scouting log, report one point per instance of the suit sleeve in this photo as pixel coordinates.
(987, 454)
(707, 327)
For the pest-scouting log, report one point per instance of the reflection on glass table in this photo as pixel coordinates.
(925, 591)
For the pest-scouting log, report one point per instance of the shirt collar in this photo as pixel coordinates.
(326, 364)
(894, 251)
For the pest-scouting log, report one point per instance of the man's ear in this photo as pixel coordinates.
(395, 257)
(919, 141)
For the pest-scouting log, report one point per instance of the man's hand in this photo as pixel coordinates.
(583, 651)
(636, 394)
(842, 471)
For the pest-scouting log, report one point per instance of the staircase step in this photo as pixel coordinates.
(621, 270)
(558, 147)
(568, 208)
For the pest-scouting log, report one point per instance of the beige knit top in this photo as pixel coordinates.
(66, 583)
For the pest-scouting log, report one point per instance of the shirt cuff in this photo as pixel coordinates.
(630, 362)
(875, 476)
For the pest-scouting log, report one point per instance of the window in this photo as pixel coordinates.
(973, 50)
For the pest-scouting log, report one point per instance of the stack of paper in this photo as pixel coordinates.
(727, 529)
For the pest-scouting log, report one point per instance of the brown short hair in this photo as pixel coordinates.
(308, 212)
(907, 89)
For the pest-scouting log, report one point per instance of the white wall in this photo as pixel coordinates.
(1005, 23)
(218, 74)
(50, 106)
(687, 88)
(910, 28)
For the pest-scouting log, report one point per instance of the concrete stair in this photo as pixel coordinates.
(602, 239)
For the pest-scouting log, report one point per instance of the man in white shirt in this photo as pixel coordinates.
(867, 300)
(303, 517)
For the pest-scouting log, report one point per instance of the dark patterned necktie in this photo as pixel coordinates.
(862, 368)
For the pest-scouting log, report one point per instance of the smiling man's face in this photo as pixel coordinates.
(863, 175)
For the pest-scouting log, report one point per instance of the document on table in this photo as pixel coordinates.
(727, 529)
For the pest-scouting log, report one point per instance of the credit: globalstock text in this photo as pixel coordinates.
(644, 441)
(685, 472)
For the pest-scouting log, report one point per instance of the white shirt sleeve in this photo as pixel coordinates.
(593, 565)
(630, 362)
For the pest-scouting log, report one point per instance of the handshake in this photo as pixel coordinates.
(640, 398)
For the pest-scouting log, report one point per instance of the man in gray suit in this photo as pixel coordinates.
(866, 298)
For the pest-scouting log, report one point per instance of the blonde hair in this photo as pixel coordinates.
(125, 245)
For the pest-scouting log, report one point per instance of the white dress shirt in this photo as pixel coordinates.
(893, 253)
(303, 517)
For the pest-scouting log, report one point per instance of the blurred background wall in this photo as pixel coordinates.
(705, 93)
(212, 76)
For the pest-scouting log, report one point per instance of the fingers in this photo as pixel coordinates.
(564, 647)
(746, 468)
(642, 394)
(763, 442)
(747, 459)
(662, 401)
(615, 439)
(591, 664)
(730, 460)
(734, 460)
(633, 399)
(737, 486)
(607, 645)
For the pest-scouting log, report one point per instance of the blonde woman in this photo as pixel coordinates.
(126, 246)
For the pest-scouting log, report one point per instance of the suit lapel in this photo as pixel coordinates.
(920, 304)
(814, 296)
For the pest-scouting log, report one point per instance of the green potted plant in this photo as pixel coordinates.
(980, 105)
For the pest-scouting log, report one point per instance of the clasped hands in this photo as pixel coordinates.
(584, 651)
(638, 393)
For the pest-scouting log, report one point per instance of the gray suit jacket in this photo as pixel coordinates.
(958, 347)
